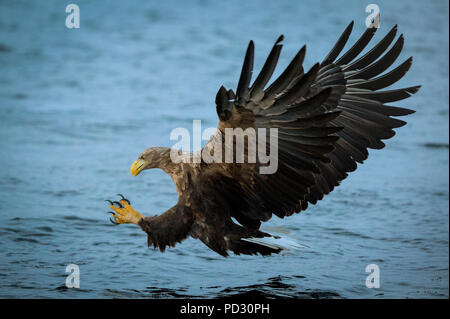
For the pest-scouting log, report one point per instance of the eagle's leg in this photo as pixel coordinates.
(124, 213)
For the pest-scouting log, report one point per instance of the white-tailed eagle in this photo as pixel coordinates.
(326, 119)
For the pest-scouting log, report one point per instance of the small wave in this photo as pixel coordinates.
(30, 240)
(20, 96)
(45, 229)
(74, 217)
(344, 232)
(275, 287)
(267, 294)
(63, 193)
(64, 288)
(4, 48)
(436, 145)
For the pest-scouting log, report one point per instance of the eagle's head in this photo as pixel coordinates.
(150, 158)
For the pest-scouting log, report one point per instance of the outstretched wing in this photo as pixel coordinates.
(326, 118)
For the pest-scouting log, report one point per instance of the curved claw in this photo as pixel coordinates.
(118, 204)
(108, 201)
(112, 213)
(112, 221)
(123, 198)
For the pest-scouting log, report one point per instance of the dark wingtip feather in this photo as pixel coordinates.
(374, 53)
(399, 123)
(221, 96)
(408, 63)
(381, 64)
(247, 69)
(268, 68)
(388, 78)
(293, 69)
(357, 48)
(397, 111)
(221, 102)
(339, 45)
(390, 95)
(413, 89)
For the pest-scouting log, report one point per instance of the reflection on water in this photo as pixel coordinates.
(78, 106)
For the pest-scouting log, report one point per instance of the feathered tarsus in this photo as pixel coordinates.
(327, 119)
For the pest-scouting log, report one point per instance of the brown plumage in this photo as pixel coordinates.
(326, 118)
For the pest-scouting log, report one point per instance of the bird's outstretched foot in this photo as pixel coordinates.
(124, 213)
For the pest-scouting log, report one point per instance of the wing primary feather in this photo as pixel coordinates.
(269, 66)
(382, 64)
(373, 106)
(374, 53)
(300, 88)
(357, 47)
(391, 95)
(313, 131)
(387, 79)
(306, 106)
(379, 131)
(246, 73)
(288, 74)
(339, 45)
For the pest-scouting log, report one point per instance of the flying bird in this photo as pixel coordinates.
(326, 118)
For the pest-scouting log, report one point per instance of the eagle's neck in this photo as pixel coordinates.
(162, 160)
(177, 171)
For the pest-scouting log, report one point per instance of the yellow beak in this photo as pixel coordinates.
(137, 167)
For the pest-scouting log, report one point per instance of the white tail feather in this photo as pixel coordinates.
(277, 242)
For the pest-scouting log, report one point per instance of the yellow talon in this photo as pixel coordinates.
(126, 214)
